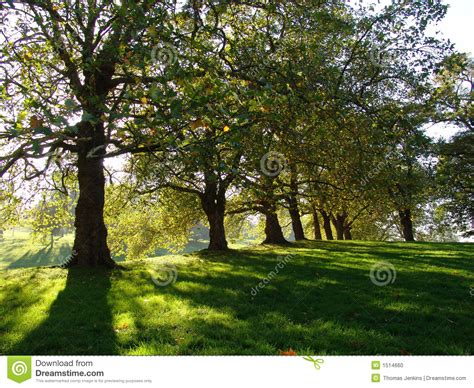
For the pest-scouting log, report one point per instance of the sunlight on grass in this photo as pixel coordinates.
(322, 301)
(26, 297)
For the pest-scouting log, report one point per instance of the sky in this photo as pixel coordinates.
(458, 24)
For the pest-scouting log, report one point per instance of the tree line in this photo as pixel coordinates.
(224, 109)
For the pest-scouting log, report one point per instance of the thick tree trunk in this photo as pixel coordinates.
(293, 206)
(296, 222)
(327, 225)
(347, 232)
(214, 207)
(273, 232)
(339, 231)
(90, 244)
(338, 222)
(407, 224)
(217, 239)
(317, 227)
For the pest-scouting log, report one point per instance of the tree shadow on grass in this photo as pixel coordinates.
(79, 321)
(319, 304)
(33, 259)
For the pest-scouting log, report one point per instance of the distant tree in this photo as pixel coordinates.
(455, 175)
(53, 213)
(140, 224)
(10, 207)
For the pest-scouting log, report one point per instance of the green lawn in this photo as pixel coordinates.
(19, 250)
(321, 302)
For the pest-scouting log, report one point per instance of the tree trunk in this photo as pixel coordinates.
(293, 206)
(296, 222)
(90, 244)
(407, 224)
(273, 232)
(317, 227)
(347, 232)
(217, 239)
(338, 222)
(214, 207)
(327, 225)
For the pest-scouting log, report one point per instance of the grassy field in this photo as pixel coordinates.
(321, 301)
(19, 250)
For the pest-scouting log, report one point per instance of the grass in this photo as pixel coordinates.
(19, 250)
(321, 302)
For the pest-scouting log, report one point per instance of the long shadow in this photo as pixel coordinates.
(41, 258)
(318, 302)
(79, 321)
(322, 306)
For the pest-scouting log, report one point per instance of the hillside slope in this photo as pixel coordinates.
(319, 298)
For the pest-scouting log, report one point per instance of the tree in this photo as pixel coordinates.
(455, 179)
(212, 95)
(9, 207)
(69, 62)
(53, 213)
(139, 224)
(452, 103)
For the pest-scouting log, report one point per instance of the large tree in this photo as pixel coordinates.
(72, 83)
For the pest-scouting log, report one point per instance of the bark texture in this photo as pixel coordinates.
(316, 225)
(327, 225)
(214, 207)
(273, 232)
(407, 224)
(90, 244)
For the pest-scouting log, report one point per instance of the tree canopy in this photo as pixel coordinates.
(242, 110)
